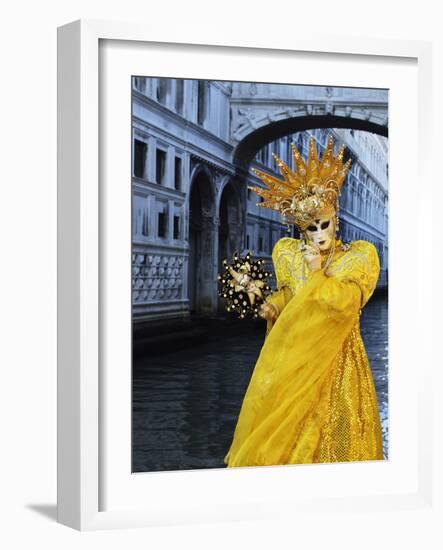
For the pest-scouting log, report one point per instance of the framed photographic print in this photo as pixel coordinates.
(196, 330)
(233, 337)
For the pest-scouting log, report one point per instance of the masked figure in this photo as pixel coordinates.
(311, 397)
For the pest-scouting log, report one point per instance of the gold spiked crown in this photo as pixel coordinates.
(311, 192)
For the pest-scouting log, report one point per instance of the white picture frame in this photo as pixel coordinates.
(95, 492)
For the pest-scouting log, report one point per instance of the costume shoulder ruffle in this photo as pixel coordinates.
(285, 244)
(360, 265)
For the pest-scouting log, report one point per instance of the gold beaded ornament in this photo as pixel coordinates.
(243, 285)
(310, 192)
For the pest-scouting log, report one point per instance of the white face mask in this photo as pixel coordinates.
(321, 232)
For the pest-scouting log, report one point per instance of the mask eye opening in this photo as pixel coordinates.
(325, 224)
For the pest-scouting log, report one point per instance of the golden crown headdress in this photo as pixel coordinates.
(311, 192)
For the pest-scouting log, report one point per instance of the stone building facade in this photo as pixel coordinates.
(191, 207)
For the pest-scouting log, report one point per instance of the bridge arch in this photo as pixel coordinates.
(254, 138)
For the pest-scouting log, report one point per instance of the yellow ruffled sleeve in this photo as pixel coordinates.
(364, 270)
(281, 297)
(360, 266)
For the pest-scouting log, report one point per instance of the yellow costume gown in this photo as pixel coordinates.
(311, 397)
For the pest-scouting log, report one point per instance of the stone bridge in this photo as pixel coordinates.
(261, 113)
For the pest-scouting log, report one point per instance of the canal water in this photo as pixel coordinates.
(186, 402)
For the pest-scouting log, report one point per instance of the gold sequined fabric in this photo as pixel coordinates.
(311, 397)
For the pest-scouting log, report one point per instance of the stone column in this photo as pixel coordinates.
(207, 292)
(172, 93)
(170, 167)
(151, 159)
(170, 218)
(234, 239)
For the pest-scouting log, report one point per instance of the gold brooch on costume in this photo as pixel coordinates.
(310, 192)
(243, 285)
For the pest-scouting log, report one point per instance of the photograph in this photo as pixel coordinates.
(260, 252)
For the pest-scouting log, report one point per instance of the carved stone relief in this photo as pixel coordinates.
(156, 277)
